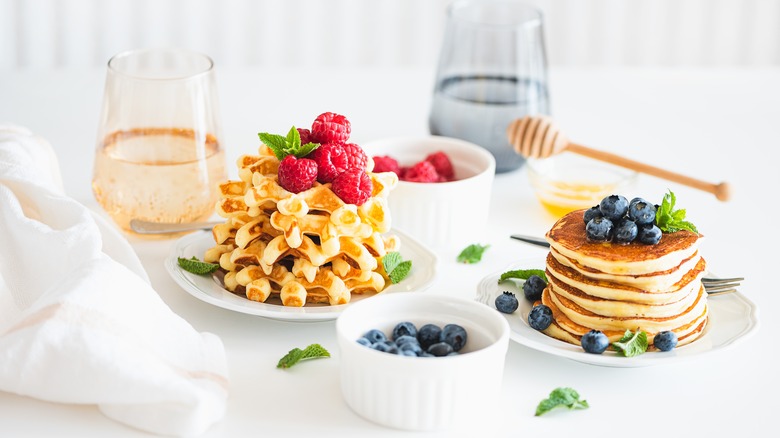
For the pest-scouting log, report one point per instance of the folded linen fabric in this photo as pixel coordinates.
(79, 321)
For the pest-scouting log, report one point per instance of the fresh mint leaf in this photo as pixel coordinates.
(670, 220)
(561, 397)
(196, 266)
(400, 272)
(522, 274)
(283, 146)
(631, 344)
(296, 355)
(306, 149)
(472, 253)
(276, 143)
(395, 267)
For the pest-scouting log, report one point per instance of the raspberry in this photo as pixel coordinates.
(422, 172)
(386, 164)
(443, 165)
(306, 136)
(331, 161)
(297, 175)
(356, 157)
(353, 186)
(331, 127)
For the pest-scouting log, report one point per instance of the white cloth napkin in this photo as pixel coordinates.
(79, 321)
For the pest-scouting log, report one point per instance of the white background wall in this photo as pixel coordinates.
(65, 33)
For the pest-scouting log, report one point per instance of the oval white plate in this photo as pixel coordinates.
(732, 317)
(207, 288)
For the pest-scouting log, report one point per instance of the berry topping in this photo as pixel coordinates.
(353, 186)
(331, 161)
(665, 340)
(422, 172)
(649, 234)
(641, 211)
(306, 136)
(428, 335)
(331, 127)
(599, 229)
(540, 317)
(591, 213)
(533, 287)
(405, 328)
(614, 207)
(625, 231)
(454, 335)
(506, 302)
(386, 164)
(594, 342)
(441, 162)
(356, 157)
(297, 174)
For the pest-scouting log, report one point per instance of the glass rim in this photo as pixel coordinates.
(535, 19)
(113, 68)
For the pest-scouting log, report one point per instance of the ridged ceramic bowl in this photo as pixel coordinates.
(422, 393)
(443, 215)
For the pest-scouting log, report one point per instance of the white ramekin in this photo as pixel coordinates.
(422, 393)
(445, 215)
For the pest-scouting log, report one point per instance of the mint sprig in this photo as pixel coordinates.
(670, 220)
(283, 146)
(196, 266)
(396, 267)
(472, 253)
(631, 344)
(521, 274)
(313, 351)
(561, 397)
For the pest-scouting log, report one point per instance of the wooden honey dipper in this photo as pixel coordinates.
(539, 137)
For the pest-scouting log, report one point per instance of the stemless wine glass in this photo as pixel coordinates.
(159, 157)
(492, 69)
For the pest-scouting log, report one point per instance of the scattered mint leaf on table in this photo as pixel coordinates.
(522, 274)
(670, 220)
(196, 266)
(561, 397)
(631, 344)
(472, 253)
(283, 146)
(396, 267)
(313, 351)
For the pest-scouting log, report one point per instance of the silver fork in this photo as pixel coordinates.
(713, 286)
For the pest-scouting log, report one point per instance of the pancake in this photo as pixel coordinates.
(612, 287)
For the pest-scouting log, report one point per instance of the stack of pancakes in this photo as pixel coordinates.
(613, 287)
(307, 247)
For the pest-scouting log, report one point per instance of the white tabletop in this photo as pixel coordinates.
(718, 124)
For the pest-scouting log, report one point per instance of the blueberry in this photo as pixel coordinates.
(591, 213)
(614, 207)
(413, 347)
(625, 231)
(364, 341)
(375, 336)
(599, 229)
(454, 335)
(425, 354)
(385, 347)
(533, 287)
(404, 339)
(428, 335)
(404, 328)
(665, 341)
(454, 353)
(440, 349)
(506, 302)
(641, 211)
(594, 342)
(407, 353)
(540, 317)
(649, 235)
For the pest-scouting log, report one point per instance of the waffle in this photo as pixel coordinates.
(614, 287)
(302, 248)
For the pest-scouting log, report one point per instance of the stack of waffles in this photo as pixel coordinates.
(307, 247)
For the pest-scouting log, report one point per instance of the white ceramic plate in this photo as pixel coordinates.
(733, 317)
(207, 288)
